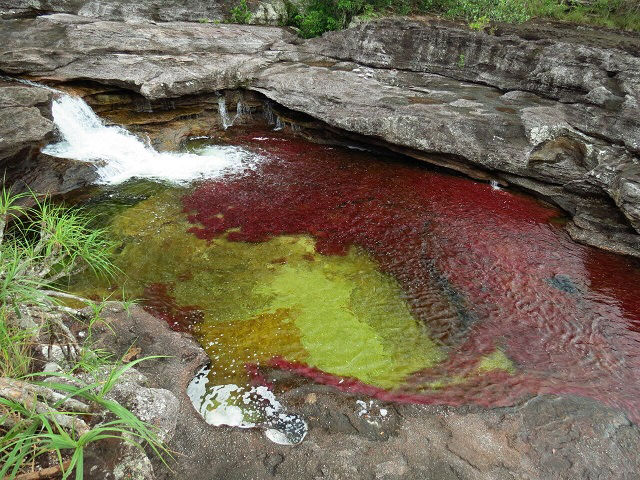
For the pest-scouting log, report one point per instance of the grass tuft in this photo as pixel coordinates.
(40, 247)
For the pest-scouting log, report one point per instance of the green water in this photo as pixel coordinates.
(275, 298)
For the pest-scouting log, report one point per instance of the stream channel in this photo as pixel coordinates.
(374, 274)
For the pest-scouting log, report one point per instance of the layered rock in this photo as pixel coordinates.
(552, 112)
(265, 12)
(25, 123)
(157, 10)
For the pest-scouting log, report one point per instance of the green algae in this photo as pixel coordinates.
(496, 360)
(280, 297)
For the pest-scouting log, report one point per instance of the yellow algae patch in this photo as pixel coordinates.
(273, 298)
(497, 360)
(255, 340)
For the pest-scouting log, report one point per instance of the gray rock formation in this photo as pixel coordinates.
(25, 123)
(156, 10)
(265, 12)
(552, 112)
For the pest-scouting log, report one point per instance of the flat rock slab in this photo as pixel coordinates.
(158, 10)
(546, 437)
(555, 114)
(163, 60)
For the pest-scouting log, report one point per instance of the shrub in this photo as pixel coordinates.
(240, 13)
(315, 17)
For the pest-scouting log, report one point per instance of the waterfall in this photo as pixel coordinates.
(269, 116)
(494, 184)
(224, 116)
(241, 109)
(120, 155)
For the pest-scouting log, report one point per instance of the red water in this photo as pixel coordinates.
(159, 300)
(482, 268)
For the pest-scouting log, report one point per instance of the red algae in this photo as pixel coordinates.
(482, 268)
(160, 302)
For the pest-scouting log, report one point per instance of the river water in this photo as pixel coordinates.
(373, 274)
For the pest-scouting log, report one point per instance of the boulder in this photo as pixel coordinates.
(25, 123)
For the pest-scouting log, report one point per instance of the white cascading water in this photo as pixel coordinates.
(224, 116)
(120, 155)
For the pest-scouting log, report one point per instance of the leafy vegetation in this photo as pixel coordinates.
(240, 13)
(52, 422)
(46, 244)
(315, 17)
(44, 418)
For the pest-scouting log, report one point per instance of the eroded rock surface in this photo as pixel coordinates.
(351, 437)
(25, 123)
(158, 10)
(555, 113)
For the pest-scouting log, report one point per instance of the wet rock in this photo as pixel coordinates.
(271, 462)
(395, 468)
(55, 176)
(559, 437)
(564, 284)
(182, 356)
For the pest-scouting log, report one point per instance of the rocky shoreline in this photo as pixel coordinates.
(555, 114)
(544, 437)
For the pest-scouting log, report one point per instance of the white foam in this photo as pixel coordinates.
(120, 155)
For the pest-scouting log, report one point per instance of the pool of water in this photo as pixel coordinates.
(377, 276)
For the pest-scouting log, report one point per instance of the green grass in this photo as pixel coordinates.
(40, 247)
(33, 434)
(318, 16)
(37, 434)
(15, 349)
